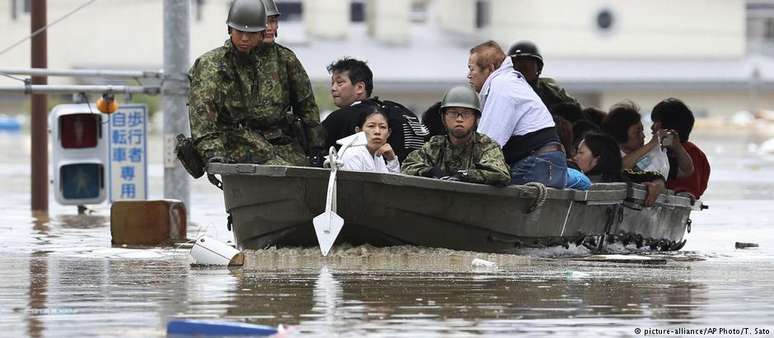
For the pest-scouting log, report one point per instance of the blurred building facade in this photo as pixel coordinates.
(714, 54)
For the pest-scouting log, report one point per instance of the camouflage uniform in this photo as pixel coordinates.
(480, 161)
(551, 93)
(238, 105)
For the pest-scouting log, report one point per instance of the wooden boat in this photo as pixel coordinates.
(274, 206)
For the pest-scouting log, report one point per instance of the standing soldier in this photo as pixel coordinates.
(287, 86)
(528, 61)
(237, 102)
(462, 154)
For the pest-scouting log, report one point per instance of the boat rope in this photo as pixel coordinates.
(540, 199)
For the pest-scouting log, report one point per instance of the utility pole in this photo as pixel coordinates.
(177, 42)
(39, 111)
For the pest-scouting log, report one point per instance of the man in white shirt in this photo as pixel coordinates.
(514, 116)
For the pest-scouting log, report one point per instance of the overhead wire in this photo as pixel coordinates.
(12, 77)
(40, 30)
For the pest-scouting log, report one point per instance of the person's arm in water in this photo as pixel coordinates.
(655, 188)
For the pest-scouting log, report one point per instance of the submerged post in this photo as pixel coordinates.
(39, 111)
(177, 42)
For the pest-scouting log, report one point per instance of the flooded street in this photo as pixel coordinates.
(62, 278)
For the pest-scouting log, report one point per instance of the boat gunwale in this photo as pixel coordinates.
(614, 193)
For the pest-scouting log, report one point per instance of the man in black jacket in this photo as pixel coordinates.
(351, 85)
(351, 88)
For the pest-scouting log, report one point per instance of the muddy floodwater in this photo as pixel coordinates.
(60, 277)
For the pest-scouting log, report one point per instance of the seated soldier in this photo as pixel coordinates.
(462, 154)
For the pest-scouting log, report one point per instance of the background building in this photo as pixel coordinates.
(714, 54)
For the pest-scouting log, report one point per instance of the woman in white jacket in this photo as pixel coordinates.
(367, 149)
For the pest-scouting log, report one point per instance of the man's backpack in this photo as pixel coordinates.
(408, 132)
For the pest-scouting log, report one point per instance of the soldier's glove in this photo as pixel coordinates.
(458, 176)
(433, 172)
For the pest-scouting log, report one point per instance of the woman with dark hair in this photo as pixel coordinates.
(624, 124)
(599, 157)
(673, 114)
(367, 149)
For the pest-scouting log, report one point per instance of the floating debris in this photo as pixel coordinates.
(208, 251)
(636, 259)
(743, 245)
(481, 263)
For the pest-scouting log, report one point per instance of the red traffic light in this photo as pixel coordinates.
(79, 130)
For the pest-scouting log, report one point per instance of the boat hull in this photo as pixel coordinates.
(274, 206)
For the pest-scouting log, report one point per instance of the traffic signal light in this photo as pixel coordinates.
(79, 146)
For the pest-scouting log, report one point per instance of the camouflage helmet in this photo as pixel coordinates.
(247, 16)
(271, 8)
(461, 96)
(526, 49)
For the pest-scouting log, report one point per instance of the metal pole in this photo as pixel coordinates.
(38, 112)
(101, 73)
(177, 42)
(75, 89)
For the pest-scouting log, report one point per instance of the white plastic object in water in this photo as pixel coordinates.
(481, 263)
(208, 251)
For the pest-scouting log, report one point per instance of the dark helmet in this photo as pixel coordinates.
(271, 8)
(461, 96)
(526, 49)
(247, 16)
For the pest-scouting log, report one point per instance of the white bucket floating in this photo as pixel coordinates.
(208, 251)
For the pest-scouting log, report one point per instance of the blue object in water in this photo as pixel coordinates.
(219, 328)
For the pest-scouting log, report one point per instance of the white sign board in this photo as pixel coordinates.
(128, 153)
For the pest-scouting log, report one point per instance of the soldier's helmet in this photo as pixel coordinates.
(461, 96)
(526, 49)
(247, 16)
(271, 8)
